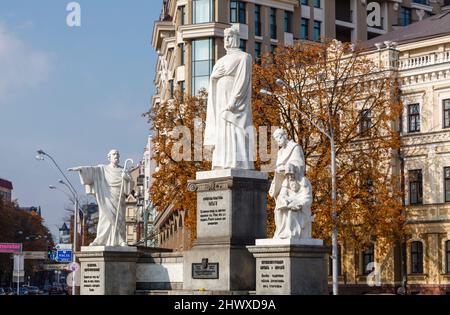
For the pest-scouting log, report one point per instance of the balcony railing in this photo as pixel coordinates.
(426, 60)
(428, 212)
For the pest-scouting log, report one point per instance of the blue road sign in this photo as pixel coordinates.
(64, 256)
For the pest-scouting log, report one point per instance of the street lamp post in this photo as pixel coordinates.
(330, 135)
(40, 156)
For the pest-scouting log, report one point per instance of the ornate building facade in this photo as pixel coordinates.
(419, 55)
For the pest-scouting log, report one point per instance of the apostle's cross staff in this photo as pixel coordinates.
(124, 171)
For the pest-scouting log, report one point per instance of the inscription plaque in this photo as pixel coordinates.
(91, 281)
(272, 274)
(205, 270)
(213, 214)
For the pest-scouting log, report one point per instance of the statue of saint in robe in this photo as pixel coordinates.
(105, 182)
(291, 190)
(229, 124)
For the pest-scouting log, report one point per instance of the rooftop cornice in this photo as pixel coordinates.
(158, 28)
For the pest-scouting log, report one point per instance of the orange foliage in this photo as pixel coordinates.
(172, 175)
(330, 85)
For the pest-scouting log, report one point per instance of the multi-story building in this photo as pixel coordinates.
(6, 188)
(140, 214)
(419, 55)
(189, 35)
(189, 39)
(133, 208)
(149, 215)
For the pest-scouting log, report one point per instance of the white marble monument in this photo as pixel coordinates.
(231, 198)
(108, 265)
(292, 262)
(110, 184)
(292, 192)
(229, 124)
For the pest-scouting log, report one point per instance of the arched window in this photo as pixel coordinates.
(368, 256)
(447, 257)
(416, 257)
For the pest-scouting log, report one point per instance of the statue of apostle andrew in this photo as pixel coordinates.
(107, 182)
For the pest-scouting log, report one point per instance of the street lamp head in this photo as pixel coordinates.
(39, 157)
(62, 182)
(41, 152)
(52, 187)
(265, 92)
(281, 83)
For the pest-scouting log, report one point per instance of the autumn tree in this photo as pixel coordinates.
(20, 226)
(334, 86)
(178, 127)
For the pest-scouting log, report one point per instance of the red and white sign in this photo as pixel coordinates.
(10, 248)
(73, 267)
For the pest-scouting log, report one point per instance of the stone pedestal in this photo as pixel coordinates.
(108, 270)
(291, 267)
(231, 214)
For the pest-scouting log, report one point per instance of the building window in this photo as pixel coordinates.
(243, 45)
(317, 31)
(202, 63)
(415, 187)
(243, 12)
(203, 11)
(447, 184)
(182, 54)
(317, 4)
(405, 16)
(416, 257)
(447, 257)
(367, 258)
(258, 52)
(343, 10)
(304, 27)
(304, 2)
(172, 89)
(273, 49)
(238, 12)
(273, 23)
(183, 15)
(365, 122)
(414, 118)
(233, 11)
(288, 21)
(182, 87)
(257, 20)
(446, 106)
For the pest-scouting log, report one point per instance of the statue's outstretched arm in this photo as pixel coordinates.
(75, 169)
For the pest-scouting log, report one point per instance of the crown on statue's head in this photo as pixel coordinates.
(233, 31)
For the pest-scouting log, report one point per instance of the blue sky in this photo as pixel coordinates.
(73, 92)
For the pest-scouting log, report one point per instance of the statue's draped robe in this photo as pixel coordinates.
(289, 223)
(231, 132)
(293, 212)
(289, 157)
(104, 181)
